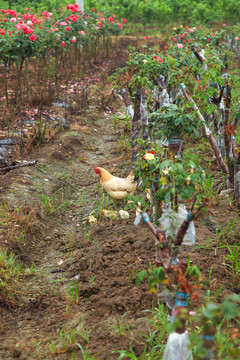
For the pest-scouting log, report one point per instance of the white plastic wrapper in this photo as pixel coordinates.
(137, 220)
(171, 221)
(177, 347)
(130, 111)
(124, 214)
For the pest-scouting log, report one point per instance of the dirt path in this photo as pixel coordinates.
(85, 275)
(70, 257)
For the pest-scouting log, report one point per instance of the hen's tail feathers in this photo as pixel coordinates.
(131, 176)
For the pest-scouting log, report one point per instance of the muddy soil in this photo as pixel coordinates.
(82, 286)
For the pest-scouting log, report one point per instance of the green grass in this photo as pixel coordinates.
(10, 271)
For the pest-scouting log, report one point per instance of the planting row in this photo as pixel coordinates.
(184, 92)
(66, 34)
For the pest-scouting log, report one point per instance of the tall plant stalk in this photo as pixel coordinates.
(136, 126)
(27, 79)
(226, 135)
(6, 80)
(19, 81)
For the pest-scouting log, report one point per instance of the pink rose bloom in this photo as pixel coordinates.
(180, 46)
(224, 25)
(236, 38)
(191, 30)
(30, 23)
(63, 23)
(13, 20)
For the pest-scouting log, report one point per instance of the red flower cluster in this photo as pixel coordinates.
(67, 29)
(158, 59)
(9, 12)
(73, 7)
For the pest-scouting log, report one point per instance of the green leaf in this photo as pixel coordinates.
(178, 121)
(237, 115)
(141, 276)
(160, 273)
(229, 309)
(196, 132)
(209, 109)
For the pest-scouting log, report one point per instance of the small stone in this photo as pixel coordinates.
(77, 277)
(226, 192)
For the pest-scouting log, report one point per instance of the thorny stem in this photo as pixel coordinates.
(27, 79)
(207, 131)
(164, 253)
(135, 126)
(226, 135)
(6, 80)
(144, 116)
(19, 83)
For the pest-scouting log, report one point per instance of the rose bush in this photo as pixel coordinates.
(29, 34)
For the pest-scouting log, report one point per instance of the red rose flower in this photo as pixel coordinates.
(32, 37)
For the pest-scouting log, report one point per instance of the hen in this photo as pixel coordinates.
(116, 187)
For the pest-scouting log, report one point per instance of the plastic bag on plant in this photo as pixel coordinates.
(171, 221)
(177, 347)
